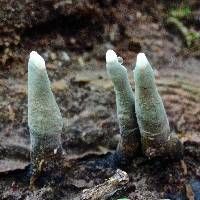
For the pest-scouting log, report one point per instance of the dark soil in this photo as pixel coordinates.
(74, 48)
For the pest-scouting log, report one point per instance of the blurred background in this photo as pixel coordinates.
(73, 37)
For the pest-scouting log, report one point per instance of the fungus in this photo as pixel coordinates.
(130, 140)
(156, 137)
(44, 120)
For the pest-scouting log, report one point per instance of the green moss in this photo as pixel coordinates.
(180, 12)
(175, 18)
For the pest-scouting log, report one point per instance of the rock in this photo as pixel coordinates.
(45, 55)
(59, 85)
(83, 78)
(81, 61)
(105, 84)
(53, 56)
(64, 56)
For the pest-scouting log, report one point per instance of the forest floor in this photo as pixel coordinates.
(74, 49)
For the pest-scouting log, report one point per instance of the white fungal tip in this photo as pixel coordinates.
(111, 56)
(36, 60)
(142, 61)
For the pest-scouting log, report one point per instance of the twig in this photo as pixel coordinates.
(106, 189)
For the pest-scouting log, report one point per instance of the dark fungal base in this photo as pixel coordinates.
(46, 158)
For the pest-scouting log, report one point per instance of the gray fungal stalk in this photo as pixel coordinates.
(44, 121)
(156, 138)
(129, 142)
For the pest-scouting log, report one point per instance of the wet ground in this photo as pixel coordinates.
(76, 66)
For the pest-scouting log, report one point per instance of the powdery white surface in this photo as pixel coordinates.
(35, 60)
(111, 56)
(142, 61)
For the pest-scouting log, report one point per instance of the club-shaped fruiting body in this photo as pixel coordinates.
(156, 138)
(44, 118)
(129, 142)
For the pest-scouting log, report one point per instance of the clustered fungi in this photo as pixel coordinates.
(142, 118)
(154, 132)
